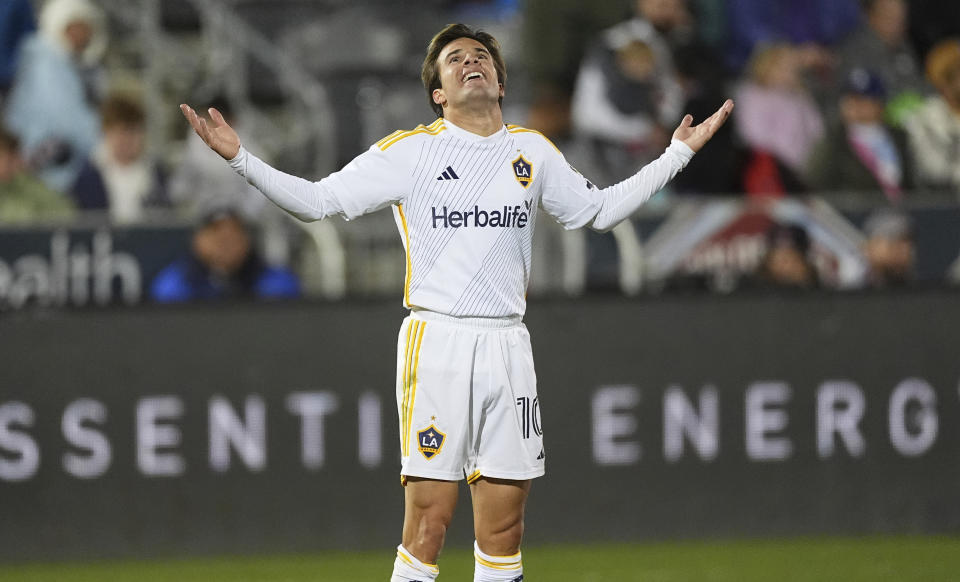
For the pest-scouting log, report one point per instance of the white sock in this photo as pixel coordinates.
(406, 568)
(496, 568)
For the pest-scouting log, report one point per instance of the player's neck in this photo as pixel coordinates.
(485, 122)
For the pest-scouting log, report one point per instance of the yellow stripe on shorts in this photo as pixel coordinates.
(407, 404)
(412, 383)
(405, 390)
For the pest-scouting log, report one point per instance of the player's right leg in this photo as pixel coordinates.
(429, 506)
(433, 405)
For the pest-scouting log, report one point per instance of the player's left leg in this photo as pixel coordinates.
(498, 506)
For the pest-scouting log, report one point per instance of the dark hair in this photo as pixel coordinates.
(119, 109)
(218, 213)
(430, 74)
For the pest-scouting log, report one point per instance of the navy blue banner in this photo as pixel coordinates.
(196, 430)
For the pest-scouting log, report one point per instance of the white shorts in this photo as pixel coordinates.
(467, 399)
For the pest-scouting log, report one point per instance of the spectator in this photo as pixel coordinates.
(202, 181)
(119, 175)
(52, 105)
(627, 96)
(557, 33)
(700, 72)
(889, 249)
(787, 263)
(16, 23)
(777, 119)
(862, 153)
(223, 265)
(934, 129)
(881, 45)
(23, 198)
(696, 63)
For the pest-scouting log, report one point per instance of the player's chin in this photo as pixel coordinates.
(476, 87)
(482, 92)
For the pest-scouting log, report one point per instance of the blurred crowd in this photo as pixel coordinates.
(832, 95)
(834, 98)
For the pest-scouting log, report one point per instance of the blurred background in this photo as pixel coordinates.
(766, 350)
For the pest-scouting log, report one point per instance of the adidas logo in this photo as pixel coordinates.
(448, 174)
(541, 455)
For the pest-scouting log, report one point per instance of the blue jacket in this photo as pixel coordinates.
(189, 280)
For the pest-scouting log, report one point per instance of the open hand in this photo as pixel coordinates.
(696, 136)
(216, 133)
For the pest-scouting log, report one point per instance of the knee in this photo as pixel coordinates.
(429, 533)
(501, 541)
(433, 526)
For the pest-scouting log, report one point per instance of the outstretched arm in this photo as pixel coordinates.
(357, 189)
(303, 199)
(623, 199)
(216, 133)
(576, 202)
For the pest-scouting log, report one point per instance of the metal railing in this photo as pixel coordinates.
(219, 63)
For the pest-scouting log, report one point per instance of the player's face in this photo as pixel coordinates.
(467, 75)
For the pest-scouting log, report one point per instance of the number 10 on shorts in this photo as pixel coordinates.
(529, 415)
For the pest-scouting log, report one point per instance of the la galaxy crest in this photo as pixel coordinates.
(430, 441)
(523, 171)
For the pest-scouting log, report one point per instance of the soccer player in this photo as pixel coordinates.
(466, 192)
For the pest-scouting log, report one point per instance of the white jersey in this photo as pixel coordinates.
(465, 206)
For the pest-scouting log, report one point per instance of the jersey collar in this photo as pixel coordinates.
(472, 137)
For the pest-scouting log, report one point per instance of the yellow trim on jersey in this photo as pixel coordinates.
(400, 131)
(434, 128)
(518, 129)
(474, 477)
(392, 135)
(509, 566)
(406, 238)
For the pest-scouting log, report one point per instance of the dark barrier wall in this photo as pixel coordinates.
(192, 430)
